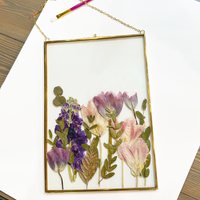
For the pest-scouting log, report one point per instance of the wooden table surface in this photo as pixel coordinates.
(16, 22)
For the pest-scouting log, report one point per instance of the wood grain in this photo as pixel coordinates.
(5, 196)
(15, 25)
(191, 187)
(9, 49)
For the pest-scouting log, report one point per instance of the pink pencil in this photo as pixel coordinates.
(69, 10)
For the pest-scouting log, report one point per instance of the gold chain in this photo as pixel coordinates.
(114, 18)
(110, 16)
(34, 17)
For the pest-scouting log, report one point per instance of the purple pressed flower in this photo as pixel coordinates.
(108, 100)
(131, 102)
(58, 159)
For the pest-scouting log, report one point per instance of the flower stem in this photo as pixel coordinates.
(136, 181)
(135, 117)
(110, 137)
(100, 160)
(70, 173)
(61, 180)
(122, 174)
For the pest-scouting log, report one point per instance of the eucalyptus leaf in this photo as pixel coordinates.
(88, 133)
(86, 126)
(56, 101)
(94, 126)
(85, 146)
(118, 142)
(119, 133)
(50, 142)
(148, 160)
(139, 115)
(144, 104)
(112, 132)
(58, 91)
(119, 126)
(103, 172)
(50, 134)
(106, 164)
(111, 168)
(113, 160)
(109, 175)
(71, 159)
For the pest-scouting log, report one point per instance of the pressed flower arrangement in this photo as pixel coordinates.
(101, 140)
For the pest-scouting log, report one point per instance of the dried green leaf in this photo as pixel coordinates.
(85, 146)
(60, 135)
(50, 142)
(113, 160)
(142, 121)
(119, 126)
(103, 172)
(88, 133)
(145, 134)
(106, 164)
(65, 132)
(112, 150)
(119, 133)
(107, 146)
(145, 172)
(86, 126)
(114, 117)
(139, 115)
(109, 159)
(96, 141)
(109, 175)
(118, 142)
(108, 115)
(62, 124)
(58, 91)
(144, 104)
(108, 110)
(98, 164)
(94, 126)
(55, 140)
(71, 159)
(148, 160)
(65, 140)
(56, 101)
(50, 134)
(111, 168)
(112, 132)
(148, 144)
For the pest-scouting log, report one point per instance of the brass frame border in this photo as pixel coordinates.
(45, 113)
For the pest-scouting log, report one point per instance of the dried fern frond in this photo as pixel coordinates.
(89, 164)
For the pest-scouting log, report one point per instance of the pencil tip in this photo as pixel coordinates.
(54, 19)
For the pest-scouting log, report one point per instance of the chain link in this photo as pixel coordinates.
(108, 15)
(114, 18)
(34, 18)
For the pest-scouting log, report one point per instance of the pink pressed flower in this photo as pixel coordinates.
(108, 100)
(99, 120)
(134, 156)
(131, 102)
(131, 131)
